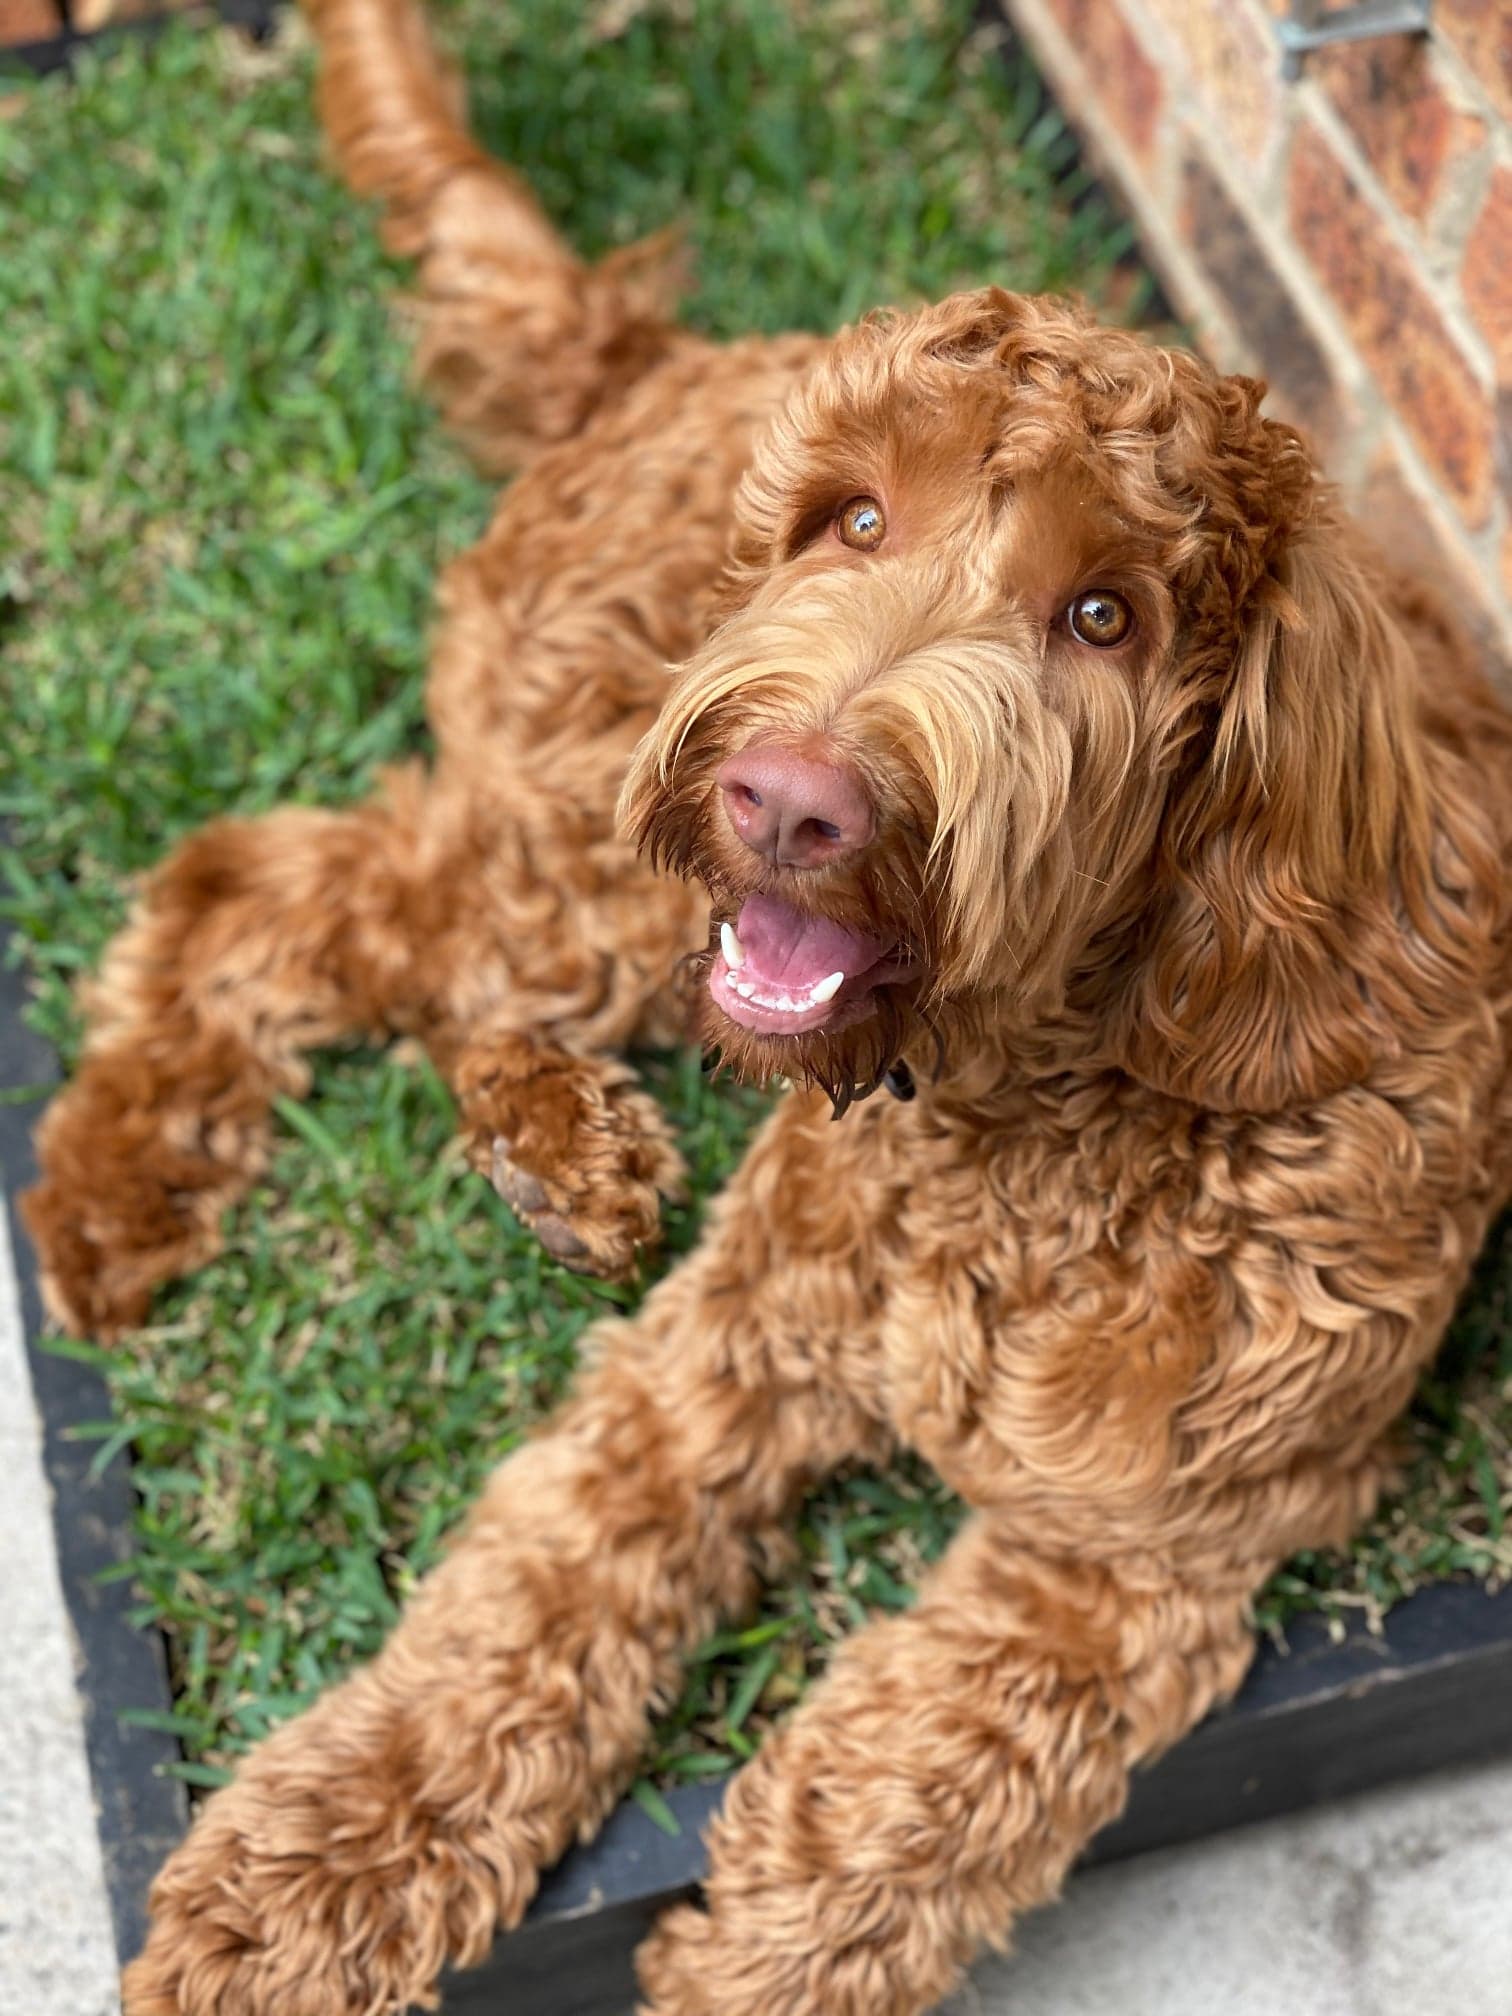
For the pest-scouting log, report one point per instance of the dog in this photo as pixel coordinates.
(1045, 742)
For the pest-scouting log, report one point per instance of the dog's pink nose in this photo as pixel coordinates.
(796, 810)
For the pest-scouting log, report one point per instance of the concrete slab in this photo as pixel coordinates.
(57, 1952)
(1396, 1903)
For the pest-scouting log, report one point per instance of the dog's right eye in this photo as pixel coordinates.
(1101, 618)
(861, 525)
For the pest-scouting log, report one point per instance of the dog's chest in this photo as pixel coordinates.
(1107, 1294)
(1031, 1283)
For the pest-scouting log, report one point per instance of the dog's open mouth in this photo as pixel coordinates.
(781, 972)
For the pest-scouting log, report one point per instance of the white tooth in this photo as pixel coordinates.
(743, 988)
(826, 990)
(731, 946)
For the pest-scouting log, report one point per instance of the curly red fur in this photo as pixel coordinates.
(1200, 958)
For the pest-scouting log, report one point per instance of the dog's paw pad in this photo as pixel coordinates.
(559, 1239)
(569, 1228)
(523, 1193)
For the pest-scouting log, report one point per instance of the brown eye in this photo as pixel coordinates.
(1101, 618)
(862, 525)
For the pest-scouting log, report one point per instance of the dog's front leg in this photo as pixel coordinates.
(941, 1780)
(401, 1822)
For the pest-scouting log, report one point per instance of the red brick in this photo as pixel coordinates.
(1395, 325)
(1238, 265)
(1235, 66)
(91, 15)
(1393, 101)
(28, 21)
(1287, 7)
(1481, 31)
(1124, 81)
(1408, 529)
(1486, 276)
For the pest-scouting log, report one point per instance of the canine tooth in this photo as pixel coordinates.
(731, 946)
(826, 990)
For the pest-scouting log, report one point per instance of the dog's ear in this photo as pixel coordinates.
(1295, 924)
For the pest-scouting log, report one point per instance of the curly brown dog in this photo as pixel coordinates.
(1046, 736)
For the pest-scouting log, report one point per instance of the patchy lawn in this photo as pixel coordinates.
(225, 512)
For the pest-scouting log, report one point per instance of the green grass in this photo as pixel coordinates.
(223, 512)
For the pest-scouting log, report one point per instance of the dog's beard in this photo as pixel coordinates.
(937, 1018)
(870, 922)
(846, 1064)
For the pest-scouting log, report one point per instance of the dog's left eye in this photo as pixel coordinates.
(862, 525)
(1101, 618)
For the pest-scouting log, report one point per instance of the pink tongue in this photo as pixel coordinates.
(782, 944)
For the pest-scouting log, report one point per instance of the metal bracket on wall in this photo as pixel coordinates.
(1309, 27)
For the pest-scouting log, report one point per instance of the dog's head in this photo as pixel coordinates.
(1049, 687)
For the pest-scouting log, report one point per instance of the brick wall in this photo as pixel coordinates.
(1347, 236)
(28, 22)
(24, 21)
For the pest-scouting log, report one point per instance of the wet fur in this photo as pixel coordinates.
(1209, 1032)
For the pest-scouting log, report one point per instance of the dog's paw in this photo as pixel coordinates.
(598, 1214)
(578, 1152)
(99, 1267)
(310, 1887)
(227, 1940)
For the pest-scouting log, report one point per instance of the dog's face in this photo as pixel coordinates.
(1001, 579)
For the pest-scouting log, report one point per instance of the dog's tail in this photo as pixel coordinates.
(519, 340)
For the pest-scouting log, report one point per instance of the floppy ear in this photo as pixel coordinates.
(1295, 928)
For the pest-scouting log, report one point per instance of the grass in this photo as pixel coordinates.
(223, 513)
